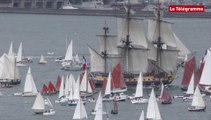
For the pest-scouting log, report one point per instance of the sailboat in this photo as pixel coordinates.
(9, 72)
(153, 111)
(71, 62)
(87, 86)
(50, 89)
(190, 90)
(155, 56)
(42, 60)
(30, 88)
(198, 102)
(205, 75)
(74, 93)
(21, 60)
(115, 85)
(62, 98)
(49, 110)
(67, 5)
(165, 97)
(80, 111)
(107, 95)
(138, 98)
(98, 106)
(189, 67)
(39, 104)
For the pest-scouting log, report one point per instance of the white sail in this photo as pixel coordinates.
(11, 51)
(108, 85)
(20, 53)
(69, 52)
(205, 76)
(166, 33)
(152, 108)
(137, 60)
(42, 59)
(142, 115)
(30, 86)
(161, 92)
(76, 94)
(183, 50)
(139, 86)
(10, 67)
(61, 88)
(80, 111)
(76, 59)
(169, 59)
(85, 84)
(96, 61)
(39, 103)
(67, 86)
(190, 89)
(171, 44)
(136, 32)
(108, 43)
(99, 108)
(197, 98)
(71, 86)
(4, 70)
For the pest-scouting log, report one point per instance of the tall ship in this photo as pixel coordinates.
(155, 54)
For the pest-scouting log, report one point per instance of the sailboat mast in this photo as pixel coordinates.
(105, 46)
(127, 41)
(159, 42)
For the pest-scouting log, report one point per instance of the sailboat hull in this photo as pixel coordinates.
(114, 112)
(10, 82)
(192, 108)
(131, 79)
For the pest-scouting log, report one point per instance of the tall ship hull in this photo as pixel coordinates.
(131, 79)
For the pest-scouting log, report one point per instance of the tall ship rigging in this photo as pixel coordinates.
(155, 54)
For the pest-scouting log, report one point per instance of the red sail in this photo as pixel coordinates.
(92, 84)
(51, 88)
(44, 89)
(197, 76)
(190, 66)
(58, 82)
(165, 95)
(104, 84)
(117, 77)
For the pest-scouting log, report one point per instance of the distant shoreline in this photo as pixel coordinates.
(87, 12)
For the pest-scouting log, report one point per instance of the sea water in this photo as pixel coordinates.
(41, 34)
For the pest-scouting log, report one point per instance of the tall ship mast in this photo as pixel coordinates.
(154, 54)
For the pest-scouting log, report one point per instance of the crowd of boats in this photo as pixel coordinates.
(130, 58)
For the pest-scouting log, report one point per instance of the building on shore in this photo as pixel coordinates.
(52, 4)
